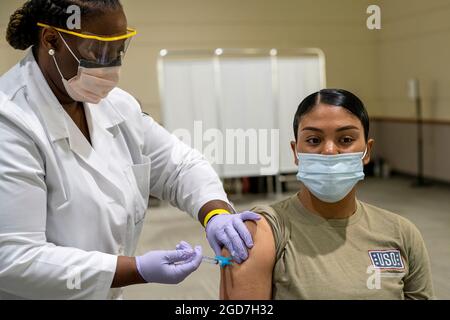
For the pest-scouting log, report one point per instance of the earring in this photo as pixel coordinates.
(51, 52)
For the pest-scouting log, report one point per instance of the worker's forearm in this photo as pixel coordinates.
(126, 273)
(212, 205)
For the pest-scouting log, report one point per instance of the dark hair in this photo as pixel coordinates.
(22, 30)
(334, 97)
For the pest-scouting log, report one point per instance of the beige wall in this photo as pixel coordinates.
(396, 142)
(337, 27)
(414, 42)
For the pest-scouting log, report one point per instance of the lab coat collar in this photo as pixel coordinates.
(105, 114)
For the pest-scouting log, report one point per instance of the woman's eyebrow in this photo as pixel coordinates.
(347, 128)
(312, 129)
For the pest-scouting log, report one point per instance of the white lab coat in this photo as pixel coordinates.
(67, 210)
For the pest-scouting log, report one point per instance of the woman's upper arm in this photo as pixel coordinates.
(253, 278)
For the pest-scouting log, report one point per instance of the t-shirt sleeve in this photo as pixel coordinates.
(418, 282)
(278, 227)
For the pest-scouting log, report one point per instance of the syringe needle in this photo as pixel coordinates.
(210, 260)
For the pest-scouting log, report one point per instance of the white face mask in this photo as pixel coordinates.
(330, 178)
(90, 84)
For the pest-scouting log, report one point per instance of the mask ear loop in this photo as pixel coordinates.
(51, 52)
(67, 46)
(296, 152)
(365, 153)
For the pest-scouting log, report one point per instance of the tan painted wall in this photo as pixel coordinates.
(414, 42)
(337, 27)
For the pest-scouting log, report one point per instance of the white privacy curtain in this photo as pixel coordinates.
(252, 94)
(297, 78)
(189, 102)
(247, 103)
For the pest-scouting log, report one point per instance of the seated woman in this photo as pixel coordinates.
(323, 243)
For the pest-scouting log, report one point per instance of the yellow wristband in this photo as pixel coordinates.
(214, 213)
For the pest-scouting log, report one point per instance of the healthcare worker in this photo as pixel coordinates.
(78, 161)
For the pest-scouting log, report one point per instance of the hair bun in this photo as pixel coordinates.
(21, 32)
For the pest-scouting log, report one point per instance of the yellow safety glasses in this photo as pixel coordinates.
(130, 33)
(99, 50)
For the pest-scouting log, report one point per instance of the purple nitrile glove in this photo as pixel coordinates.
(169, 267)
(229, 230)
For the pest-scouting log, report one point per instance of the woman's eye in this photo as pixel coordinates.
(347, 140)
(313, 140)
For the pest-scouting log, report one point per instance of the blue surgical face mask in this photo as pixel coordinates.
(330, 178)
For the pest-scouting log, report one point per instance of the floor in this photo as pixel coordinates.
(428, 208)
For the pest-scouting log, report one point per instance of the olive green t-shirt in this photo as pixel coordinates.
(374, 254)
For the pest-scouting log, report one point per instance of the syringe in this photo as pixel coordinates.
(220, 260)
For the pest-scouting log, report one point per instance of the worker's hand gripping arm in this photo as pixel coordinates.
(229, 230)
